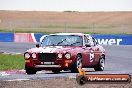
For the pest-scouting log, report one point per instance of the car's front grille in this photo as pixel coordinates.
(47, 57)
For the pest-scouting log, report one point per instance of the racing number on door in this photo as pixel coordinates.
(91, 56)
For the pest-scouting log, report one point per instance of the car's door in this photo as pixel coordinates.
(91, 50)
(86, 52)
(95, 47)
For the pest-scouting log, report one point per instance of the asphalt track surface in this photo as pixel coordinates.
(118, 61)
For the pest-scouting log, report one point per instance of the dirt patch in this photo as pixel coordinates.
(58, 83)
(42, 21)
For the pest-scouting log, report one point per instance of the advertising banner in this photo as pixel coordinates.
(6, 37)
(102, 39)
(109, 39)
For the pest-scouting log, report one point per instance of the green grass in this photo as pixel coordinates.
(85, 28)
(45, 32)
(11, 62)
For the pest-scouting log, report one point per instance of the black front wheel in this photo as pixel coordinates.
(30, 71)
(56, 71)
(78, 64)
(101, 64)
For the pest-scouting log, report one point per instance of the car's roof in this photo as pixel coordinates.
(80, 34)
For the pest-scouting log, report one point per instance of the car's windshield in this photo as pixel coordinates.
(62, 40)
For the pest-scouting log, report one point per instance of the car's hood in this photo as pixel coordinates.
(50, 49)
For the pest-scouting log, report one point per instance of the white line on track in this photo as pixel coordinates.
(4, 74)
(18, 79)
(12, 53)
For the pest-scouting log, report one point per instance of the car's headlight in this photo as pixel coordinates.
(33, 55)
(27, 55)
(60, 55)
(68, 55)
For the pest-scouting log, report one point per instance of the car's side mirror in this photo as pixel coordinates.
(96, 43)
(87, 45)
(37, 45)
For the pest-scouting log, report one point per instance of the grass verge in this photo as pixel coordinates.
(83, 28)
(45, 32)
(11, 62)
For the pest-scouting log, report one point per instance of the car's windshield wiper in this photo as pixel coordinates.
(75, 43)
(61, 41)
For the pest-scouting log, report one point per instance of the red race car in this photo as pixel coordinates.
(65, 51)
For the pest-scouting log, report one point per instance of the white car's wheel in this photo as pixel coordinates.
(30, 70)
(56, 71)
(101, 64)
(79, 61)
(77, 64)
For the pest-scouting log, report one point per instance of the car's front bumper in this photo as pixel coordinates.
(60, 65)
